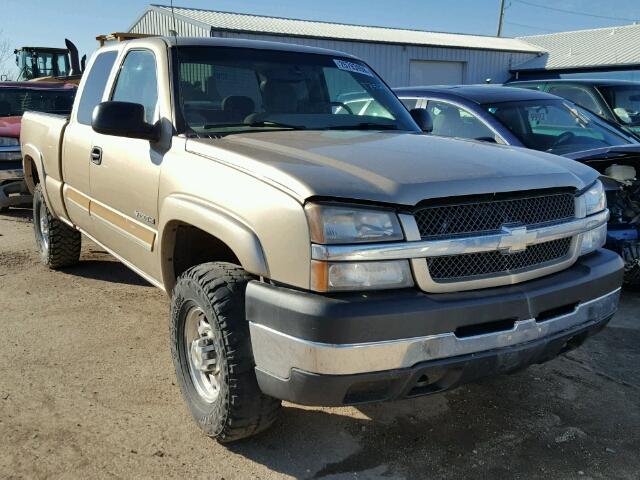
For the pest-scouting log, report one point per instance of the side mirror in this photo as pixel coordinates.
(123, 119)
(422, 118)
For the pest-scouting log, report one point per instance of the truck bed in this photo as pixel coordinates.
(41, 139)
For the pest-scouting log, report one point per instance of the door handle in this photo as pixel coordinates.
(96, 155)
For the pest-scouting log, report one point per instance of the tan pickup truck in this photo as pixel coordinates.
(318, 247)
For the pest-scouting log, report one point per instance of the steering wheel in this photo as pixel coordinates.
(566, 137)
(343, 105)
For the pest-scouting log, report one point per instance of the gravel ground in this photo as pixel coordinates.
(87, 390)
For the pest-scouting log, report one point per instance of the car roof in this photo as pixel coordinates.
(479, 94)
(578, 81)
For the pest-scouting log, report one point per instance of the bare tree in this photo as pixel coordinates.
(6, 56)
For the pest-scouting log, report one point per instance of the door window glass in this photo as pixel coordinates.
(138, 82)
(452, 121)
(409, 102)
(577, 95)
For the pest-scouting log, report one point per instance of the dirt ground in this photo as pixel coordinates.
(87, 390)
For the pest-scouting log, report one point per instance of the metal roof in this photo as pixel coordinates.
(238, 22)
(600, 47)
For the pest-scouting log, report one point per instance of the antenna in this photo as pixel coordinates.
(173, 32)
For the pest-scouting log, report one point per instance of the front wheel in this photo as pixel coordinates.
(212, 355)
(59, 245)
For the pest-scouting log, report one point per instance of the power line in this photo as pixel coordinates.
(529, 26)
(573, 12)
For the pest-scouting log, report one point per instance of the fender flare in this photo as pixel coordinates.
(211, 218)
(31, 152)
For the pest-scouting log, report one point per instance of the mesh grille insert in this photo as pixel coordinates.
(491, 215)
(467, 266)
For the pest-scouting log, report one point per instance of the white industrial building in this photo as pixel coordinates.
(414, 57)
(401, 57)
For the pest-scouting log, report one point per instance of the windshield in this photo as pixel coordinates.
(555, 126)
(625, 102)
(15, 101)
(231, 90)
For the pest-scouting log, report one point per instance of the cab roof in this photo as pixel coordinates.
(172, 42)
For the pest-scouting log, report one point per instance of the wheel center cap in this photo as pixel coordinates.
(203, 353)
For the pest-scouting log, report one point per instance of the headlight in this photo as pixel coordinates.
(594, 239)
(341, 276)
(331, 224)
(595, 199)
(338, 224)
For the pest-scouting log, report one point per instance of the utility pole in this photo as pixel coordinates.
(500, 18)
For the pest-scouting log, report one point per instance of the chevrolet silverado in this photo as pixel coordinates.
(314, 253)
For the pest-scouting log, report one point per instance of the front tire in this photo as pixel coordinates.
(59, 245)
(212, 355)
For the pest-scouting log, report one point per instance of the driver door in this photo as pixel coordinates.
(125, 171)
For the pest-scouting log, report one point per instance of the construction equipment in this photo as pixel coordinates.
(50, 64)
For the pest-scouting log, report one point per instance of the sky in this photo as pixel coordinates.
(48, 22)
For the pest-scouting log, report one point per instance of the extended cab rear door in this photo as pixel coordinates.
(77, 142)
(124, 183)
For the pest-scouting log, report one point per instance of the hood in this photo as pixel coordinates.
(10, 127)
(398, 168)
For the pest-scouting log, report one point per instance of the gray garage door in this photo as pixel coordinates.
(428, 72)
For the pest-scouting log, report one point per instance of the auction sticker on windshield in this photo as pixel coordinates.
(352, 67)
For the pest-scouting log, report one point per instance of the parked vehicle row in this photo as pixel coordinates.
(544, 122)
(316, 250)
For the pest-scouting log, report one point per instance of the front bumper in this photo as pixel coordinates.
(353, 348)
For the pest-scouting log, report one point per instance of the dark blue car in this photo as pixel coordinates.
(544, 122)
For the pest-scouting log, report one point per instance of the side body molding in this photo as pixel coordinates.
(211, 218)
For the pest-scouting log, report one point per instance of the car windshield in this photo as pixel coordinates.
(224, 90)
(556, 126)
(15, 101)
(624, 100)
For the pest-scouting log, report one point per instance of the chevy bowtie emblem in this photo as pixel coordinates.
(515, 239)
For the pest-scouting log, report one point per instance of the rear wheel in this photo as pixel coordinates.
(212, 354)
(59, 245)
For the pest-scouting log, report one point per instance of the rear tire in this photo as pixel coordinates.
(59, 245)
(212, 355)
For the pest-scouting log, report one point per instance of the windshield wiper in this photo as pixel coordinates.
(255, 124)
(363, 126)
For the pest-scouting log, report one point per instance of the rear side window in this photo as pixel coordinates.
(138, 82)
(94, 85)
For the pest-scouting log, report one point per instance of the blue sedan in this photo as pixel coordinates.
(540, 121)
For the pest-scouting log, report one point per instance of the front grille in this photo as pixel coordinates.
(490, 215)
(470, 265)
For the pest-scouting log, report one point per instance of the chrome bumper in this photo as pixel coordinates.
(277, 353)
